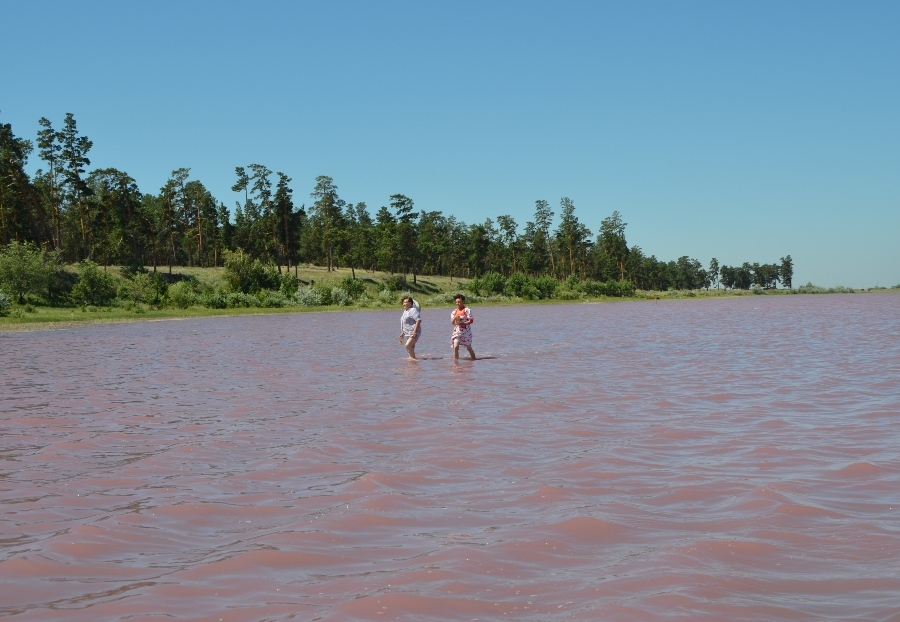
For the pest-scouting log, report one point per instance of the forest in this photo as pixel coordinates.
(100, 216)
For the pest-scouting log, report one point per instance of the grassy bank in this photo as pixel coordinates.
(378, 290)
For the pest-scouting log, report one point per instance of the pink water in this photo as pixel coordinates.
(685, 460)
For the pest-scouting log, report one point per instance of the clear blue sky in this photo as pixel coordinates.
(741, 131)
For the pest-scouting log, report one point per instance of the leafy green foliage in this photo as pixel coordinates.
(246, 275)
(25, 269)
(354, 287)
(183, 295)
(95, 286)
(395, 283)
(143, 287)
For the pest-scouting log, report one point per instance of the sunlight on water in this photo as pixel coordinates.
(728, 459)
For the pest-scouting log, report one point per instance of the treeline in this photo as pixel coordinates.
(101, 215)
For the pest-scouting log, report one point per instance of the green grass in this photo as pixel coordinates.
(431, 291)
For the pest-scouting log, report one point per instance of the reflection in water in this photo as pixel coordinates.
(714, 459)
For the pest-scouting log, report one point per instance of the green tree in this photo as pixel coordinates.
(73, 157)
(94, 286)
(20, 213)
(572, 238)
(171, 221)
(509, 238)
(50, 150)
(118, 223)
(361, 242)
(714, 272)
(786, 271)
(386, 239)
(327, 218)
(25, 269)
(406, 232)
(540, 235)
(612, 248)
(287, 222)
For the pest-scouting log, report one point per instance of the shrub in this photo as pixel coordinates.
(756, 289)
(182, 294)
(340, 297)
(214, 299)
(623, 289)
(247, 276)
(395, 283)
(308, 297)
(387, 296)
(324, 291)
(271, 299)
(5, 303)
(546, 285)
(593, 288)
(94, 286)
(516, 284)
(144, 286)
(492, 283)
(354, 287)
(236, 300)
(567, 294)
(25, 269)
(288, 284)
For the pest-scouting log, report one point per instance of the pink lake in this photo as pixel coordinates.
(732, 459)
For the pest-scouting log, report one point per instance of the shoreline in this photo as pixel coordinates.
(33, 323)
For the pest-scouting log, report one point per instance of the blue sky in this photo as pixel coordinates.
(741, 131)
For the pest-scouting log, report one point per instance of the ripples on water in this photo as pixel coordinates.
(714, 459)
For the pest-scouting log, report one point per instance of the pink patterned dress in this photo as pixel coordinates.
(462, 332)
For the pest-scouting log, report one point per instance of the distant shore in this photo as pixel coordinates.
(430, 291)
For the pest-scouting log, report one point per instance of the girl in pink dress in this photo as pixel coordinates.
(461, 318)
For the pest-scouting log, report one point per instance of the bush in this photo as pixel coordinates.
(324, 291)
(546, 285)
(387, 296)
(144, 286)
(308, 297)
(591, 287)
(395, 283)
(26, 269)
(270, 299)
(622, 289)
(247, 276)
(340, 297)
(237, 300)
(288, 284)
(567, 294)
(182, 294)
(214, 300)
(809, 288)
(95, 286)
(5, 303)
(516, 284)
(490, 283)
(354, 287)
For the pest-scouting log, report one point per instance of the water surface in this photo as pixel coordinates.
(726, 459)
